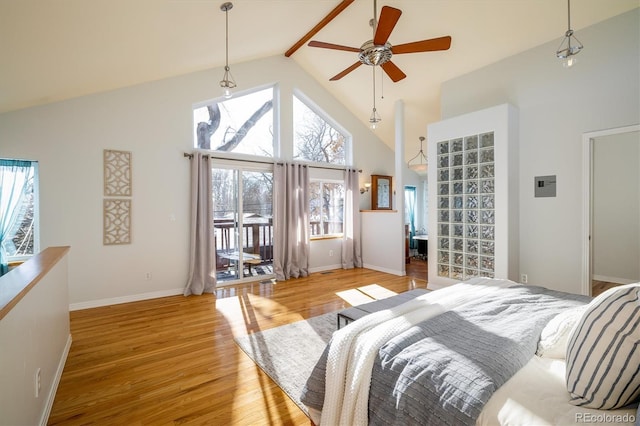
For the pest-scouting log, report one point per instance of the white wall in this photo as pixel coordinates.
(616, 208)
(556, 107)
(34, 335)
(154, 121)
(382, 247)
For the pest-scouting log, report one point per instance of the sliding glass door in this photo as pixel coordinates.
(243, 222)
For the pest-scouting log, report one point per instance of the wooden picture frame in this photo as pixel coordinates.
(381, 190)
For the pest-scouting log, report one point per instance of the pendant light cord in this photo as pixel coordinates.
(374, 88)
(226, 47)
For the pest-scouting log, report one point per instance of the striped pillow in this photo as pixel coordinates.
(603, 354)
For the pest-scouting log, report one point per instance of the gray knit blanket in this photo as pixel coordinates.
(443, 370)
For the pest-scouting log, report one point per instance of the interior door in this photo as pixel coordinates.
(613, 209)
(243, 223)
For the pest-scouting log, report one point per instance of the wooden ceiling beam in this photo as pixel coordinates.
(335, 12)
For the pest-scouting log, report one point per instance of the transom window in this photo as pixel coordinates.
(242, 124)
(326, 208)
(314, 137)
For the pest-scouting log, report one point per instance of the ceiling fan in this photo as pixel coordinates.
(379, 51)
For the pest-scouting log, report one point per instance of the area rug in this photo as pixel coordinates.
(288, 353)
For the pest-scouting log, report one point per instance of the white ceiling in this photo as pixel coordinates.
(57, 49)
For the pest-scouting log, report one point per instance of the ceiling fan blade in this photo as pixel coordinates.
(322, 44)
(440, 43)
(345, 72)
(393, 71)
(320, 25)
(388, 19)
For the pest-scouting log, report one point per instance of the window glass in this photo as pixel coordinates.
(326, 212)
(19, 209)
(314, 138)
(242, 124)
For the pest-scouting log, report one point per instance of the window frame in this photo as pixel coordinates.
(36, 213)
(323, 236)
(316, 109)
(277, 149)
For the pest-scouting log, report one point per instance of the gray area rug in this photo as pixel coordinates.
(288, 353)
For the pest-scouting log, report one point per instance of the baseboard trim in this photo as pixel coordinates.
(325, 268)
(125, 299)
(56, 381)
(616, 280)
(387, 270)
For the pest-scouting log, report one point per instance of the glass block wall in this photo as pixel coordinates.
(466, 207)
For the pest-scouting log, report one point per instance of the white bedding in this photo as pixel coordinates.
(537, 395)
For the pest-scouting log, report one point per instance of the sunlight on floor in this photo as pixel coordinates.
(247, 313)
(365, 294)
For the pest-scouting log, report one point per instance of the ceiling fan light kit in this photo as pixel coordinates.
(227, 83)
(570, 45)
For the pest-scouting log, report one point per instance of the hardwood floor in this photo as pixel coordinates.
(417, 268)
(598, 287)
(173, 360)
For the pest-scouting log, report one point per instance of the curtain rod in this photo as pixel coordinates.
(190, 156)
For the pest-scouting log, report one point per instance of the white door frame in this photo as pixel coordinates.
(587, 183)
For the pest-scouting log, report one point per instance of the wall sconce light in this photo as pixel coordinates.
(367, 185)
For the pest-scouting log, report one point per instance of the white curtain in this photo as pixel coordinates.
(202, 266)
(291, 221)
(351, 244)
(15, 176)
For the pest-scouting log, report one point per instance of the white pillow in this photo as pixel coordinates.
(555, 335)
(603, 354)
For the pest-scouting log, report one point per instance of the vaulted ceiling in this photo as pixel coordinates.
(57, 49)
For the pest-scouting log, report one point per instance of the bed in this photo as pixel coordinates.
(485, 352)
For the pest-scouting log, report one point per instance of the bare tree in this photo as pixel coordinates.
(205, 129)
(320, 141)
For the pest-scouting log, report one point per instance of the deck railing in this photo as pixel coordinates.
(257, 238)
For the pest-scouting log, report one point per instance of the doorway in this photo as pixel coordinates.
(611, 246)
(243, 223)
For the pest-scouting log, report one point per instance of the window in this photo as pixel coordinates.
(242, 124)
(19, 210)
(326, 210)
(410, 213)
(314, 138)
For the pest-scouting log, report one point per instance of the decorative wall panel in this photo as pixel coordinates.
(117, 221)
(116, 228)
(117, 173)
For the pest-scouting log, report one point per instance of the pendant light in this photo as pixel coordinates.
(570, 45)
(227, 83)
(421, 166)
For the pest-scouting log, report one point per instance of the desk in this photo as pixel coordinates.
(247, 258)
(423, 248)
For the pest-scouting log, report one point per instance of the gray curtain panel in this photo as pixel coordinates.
(202, 266)
(351, 244)
(291, 221)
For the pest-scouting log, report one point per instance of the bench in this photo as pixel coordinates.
(353, 313)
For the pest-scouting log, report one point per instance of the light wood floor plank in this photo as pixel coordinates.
(173, 360)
